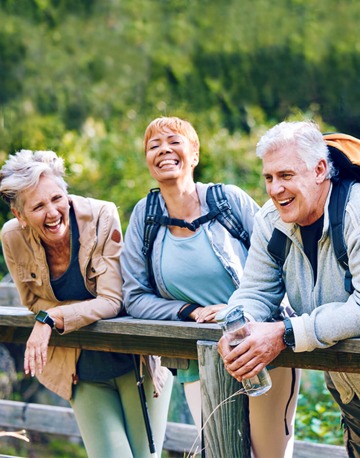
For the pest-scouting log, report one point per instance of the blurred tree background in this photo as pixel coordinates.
(85, 77)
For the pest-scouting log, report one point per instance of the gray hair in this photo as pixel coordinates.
(23, 170)
(305, 136)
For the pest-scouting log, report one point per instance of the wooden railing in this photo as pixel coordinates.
(173, 339)
(181, 440)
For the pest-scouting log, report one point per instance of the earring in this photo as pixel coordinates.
(22, 227)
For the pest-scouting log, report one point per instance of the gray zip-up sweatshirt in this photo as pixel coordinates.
(140, 300)
(327, 313)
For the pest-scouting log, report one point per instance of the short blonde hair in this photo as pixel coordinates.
(177, 125)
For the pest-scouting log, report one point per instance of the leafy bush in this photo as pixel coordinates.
(317, 416)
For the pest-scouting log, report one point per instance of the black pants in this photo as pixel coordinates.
(350, 419)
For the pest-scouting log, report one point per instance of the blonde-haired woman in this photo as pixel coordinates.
(196, 267)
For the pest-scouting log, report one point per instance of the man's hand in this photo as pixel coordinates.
(256, 351)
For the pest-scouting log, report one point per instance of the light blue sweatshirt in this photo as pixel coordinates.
(140, 300)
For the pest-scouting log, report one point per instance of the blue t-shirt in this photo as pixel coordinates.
(193, 273)
(95, 366)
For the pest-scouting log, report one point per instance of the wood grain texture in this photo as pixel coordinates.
(225, 407)
(173, 339)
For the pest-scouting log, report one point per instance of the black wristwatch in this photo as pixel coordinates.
(45, 318)
(288, 337)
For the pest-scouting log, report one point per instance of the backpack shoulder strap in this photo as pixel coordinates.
(337, 206)
(220, 206)
(151, 228)
(278, 248)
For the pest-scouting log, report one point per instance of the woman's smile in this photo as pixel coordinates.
(46, 211)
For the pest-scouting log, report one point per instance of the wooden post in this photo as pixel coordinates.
(226, 431)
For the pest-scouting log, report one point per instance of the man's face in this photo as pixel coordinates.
(298, 193)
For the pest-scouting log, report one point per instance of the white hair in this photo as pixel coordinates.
(23, 170)
(304, 135)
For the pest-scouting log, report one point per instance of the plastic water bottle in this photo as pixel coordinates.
(234, 327)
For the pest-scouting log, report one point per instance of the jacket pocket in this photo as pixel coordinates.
(29, 273)
(96, 268)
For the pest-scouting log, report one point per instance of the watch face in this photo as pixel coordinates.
(289, 336)
(41, 316)
(45, 318)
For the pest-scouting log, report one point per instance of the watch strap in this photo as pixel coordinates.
(289, 337)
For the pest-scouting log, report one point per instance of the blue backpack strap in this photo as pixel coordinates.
(278, 248)
(221, 209)
(151, 228)
(337, 206)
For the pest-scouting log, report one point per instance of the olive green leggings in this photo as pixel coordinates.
(110, 417)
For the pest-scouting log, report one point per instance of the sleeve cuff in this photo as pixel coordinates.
(300, 334)
(185, 311)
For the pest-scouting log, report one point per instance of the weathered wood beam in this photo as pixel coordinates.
(179, 438)
(225, 414)
(172, 339)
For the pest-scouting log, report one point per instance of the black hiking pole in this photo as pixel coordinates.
(144, 407)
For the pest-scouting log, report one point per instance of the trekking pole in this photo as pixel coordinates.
(144, 407)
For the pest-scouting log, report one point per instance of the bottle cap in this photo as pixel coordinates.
(227, 316)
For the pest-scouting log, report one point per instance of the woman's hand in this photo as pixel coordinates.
(207, 314)
(35, 358)
(58, 317)
(36, 349)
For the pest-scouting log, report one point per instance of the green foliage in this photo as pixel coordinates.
(43, 446)
(12, 53)
(178, 410)
(162, 57)
(317, 416)
(65, 449)
(85, 78)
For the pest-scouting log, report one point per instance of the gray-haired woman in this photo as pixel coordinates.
(63, 253)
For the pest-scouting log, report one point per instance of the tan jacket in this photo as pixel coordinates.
(100, 245)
